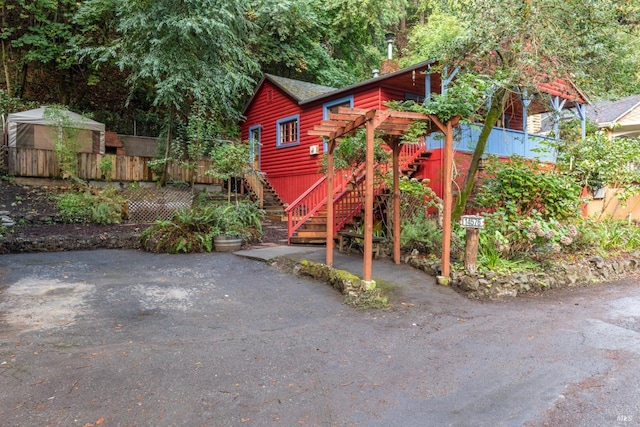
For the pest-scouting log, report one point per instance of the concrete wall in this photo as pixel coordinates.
(139, 145)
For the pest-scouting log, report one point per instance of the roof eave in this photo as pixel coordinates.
(628, 110)
(367, 82)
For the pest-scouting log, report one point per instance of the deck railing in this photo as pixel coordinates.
(502, 142)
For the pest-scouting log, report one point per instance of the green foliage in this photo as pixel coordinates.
(519, 187)
(599, 161)
(371, 299)
(66, 140)
(433, 39)
(418, 230)
(611, 235)
(464, 98)
(106, 167)
(229, 159)
(421, 233)
(241, 218)
(10, 104)
(105, 207)
(190, 230)
(351, 152)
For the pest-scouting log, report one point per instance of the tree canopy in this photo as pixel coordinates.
(119, 58)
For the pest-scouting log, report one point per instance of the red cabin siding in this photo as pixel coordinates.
(289, 170)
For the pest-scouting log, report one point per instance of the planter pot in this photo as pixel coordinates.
(227, 243)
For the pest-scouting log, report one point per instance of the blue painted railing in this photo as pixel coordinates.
(501, 142)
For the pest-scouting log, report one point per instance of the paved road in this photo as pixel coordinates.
(126, 338)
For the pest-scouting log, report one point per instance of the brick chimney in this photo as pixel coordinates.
(389, 65)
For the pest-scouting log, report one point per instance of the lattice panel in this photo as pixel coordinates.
(151, 204)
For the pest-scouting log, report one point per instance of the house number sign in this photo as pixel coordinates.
(472, 221)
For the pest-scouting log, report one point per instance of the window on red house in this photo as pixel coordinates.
(288, 130)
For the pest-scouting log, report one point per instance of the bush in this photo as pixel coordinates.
(241, 218)
(421, 233)
(521, 187)
(104, 207)
(190, 230)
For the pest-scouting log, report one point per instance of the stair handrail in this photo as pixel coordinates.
(298, 213)
(408, 154)
(255, 181)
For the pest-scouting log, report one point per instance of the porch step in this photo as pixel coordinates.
(295, 240)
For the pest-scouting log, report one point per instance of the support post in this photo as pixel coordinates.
(330, 219)
(368, 207)
(471, 250)
(447, 203)
(396, 202)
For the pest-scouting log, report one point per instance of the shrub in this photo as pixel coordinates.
(421, 233)
(241, 218)
(190, 230)
(520, 187)
(104, 207)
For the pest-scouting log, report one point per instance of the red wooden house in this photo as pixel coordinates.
(282, 111)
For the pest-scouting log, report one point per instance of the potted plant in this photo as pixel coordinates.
(237, 223)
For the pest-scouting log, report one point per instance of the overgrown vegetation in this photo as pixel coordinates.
(190, 230)
(532, 215)
(420, 230)
(65, 141)
(193, 229)
(88, 205)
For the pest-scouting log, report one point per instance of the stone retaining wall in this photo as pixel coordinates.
(65, 243)
(491, 285)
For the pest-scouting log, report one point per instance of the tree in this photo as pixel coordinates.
(599, 161)
(229, 160)
(188, 51)
(521, 43)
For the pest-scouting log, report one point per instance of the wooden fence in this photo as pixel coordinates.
(30, 162)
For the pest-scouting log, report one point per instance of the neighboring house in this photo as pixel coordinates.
(281, 112)
(620, 118)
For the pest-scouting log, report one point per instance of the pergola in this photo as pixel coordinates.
(391, 125)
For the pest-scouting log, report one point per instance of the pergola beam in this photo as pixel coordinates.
(393, 124)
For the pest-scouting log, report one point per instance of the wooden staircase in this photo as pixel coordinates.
(267, 198)
(272, 204)
(307, 216)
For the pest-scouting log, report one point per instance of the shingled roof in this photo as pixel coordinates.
(609, 112)
(299, 90)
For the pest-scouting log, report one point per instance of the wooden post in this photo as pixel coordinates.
(447, 203)
(368, 206)
(330, 220)
(396, 202)
(471, 250)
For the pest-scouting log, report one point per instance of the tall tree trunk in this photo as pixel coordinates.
(167, 152)
(5, 54)
(5, 66)
(495, 110)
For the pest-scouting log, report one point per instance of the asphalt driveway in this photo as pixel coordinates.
(127, 338)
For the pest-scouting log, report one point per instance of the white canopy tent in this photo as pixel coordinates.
(34, 129)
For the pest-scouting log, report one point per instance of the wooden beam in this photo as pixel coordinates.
(358, 111)
(396, 200)
(330, 216)
(447, 201)
(368, 205)
(343, 117)
(314, 132)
